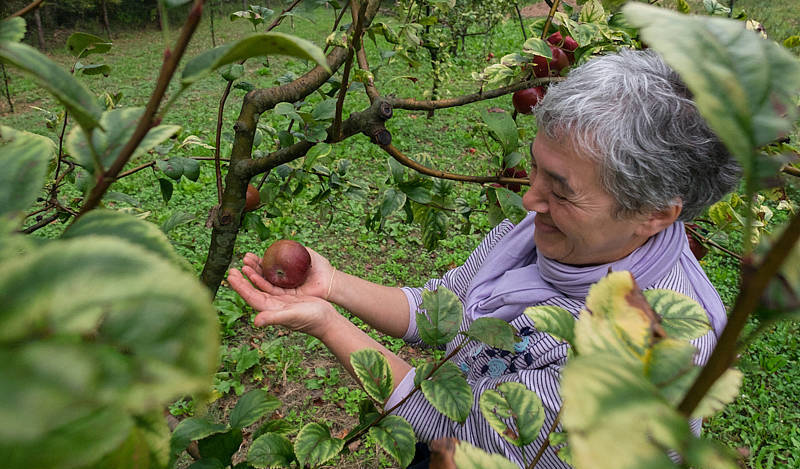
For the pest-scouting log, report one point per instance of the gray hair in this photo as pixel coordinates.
(631, 113)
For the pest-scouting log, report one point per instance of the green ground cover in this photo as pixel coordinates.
(299, 370)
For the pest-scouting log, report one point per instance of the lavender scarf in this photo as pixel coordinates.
(516, 277)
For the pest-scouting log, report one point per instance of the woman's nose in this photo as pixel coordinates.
(533, 199)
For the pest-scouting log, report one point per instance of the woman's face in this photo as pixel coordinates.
(575, 222)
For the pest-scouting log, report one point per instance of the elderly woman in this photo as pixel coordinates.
(620, 160)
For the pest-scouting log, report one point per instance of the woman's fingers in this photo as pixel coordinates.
(251, 295)
(261, 283)
(253, 261)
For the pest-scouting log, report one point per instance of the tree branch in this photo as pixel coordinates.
(416, 105)
(406, 161)
(146, 122)
(27, 9)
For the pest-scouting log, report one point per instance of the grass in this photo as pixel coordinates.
(298, 369)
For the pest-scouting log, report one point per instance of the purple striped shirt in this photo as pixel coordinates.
(537, 363)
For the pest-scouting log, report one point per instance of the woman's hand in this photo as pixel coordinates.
(297, 311)
(317, 284)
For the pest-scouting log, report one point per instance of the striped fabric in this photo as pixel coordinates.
(536, 363)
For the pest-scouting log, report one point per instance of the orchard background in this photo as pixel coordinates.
(342, 224)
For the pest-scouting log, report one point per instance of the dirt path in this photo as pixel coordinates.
(538, 9)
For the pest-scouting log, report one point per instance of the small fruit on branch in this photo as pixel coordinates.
(286, 264)
(252, 199)
(525, 100)
(566, 43)
(698, 249)
(514, 173)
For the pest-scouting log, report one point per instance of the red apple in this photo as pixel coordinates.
(560, 59)
(525, 100)
(514, 173)
(252, 199)
(566, 43)
(541, 67)
(286, 264)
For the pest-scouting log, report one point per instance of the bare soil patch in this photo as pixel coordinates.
(538, 9)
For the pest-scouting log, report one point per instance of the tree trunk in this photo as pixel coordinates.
(226, 219)
(38, 19)
(8, 93)
(106, 25)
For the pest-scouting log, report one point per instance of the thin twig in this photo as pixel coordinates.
(153, 163)
(8, 93)
(218, 139)
(408, 162)
(549, 20)
(146, 122)
(546, 442)
(705, 240)
(336, 24)
(417, 105)
(27, 9)
(280, 17)
(521, 23)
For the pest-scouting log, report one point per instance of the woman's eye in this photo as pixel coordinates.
(559, 196)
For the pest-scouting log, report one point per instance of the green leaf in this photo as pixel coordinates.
(670, 368)
(314, 445)
(513, 402)
(416, 191)
(722, 392)
(467, 456)
(175, 220)
(396, 169)
(448, 392)
(120, 225)
(325, 110)
(166, 189)
(80, 103)
(791, 42)
(82, 44)
(24, 158)
(93, 69)
(537, 46)
(615, 418)
(118, 125)
(78, 443)
(681, 317)
(287, 109)
(494, 332)
(444, 312)
(221, 446)
(191, 168)
(232, 72)
(252, 406)
(511, 203)
(12, 29)
(271, 450)
(735, 76)
(191, 429)
(320, 150)
(395, 435)
(683, 7)
(372, 370)
(592, 12)
(392, 201)
(254, 45)
(512, 159)
(553, 320)
(99, 307)
(171, 167)
(502, 128)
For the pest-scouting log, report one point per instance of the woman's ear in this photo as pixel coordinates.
(660, 219)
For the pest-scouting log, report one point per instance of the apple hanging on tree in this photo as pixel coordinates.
(252, 198)
(525, 100)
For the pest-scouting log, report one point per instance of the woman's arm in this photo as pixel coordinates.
(383, 308)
